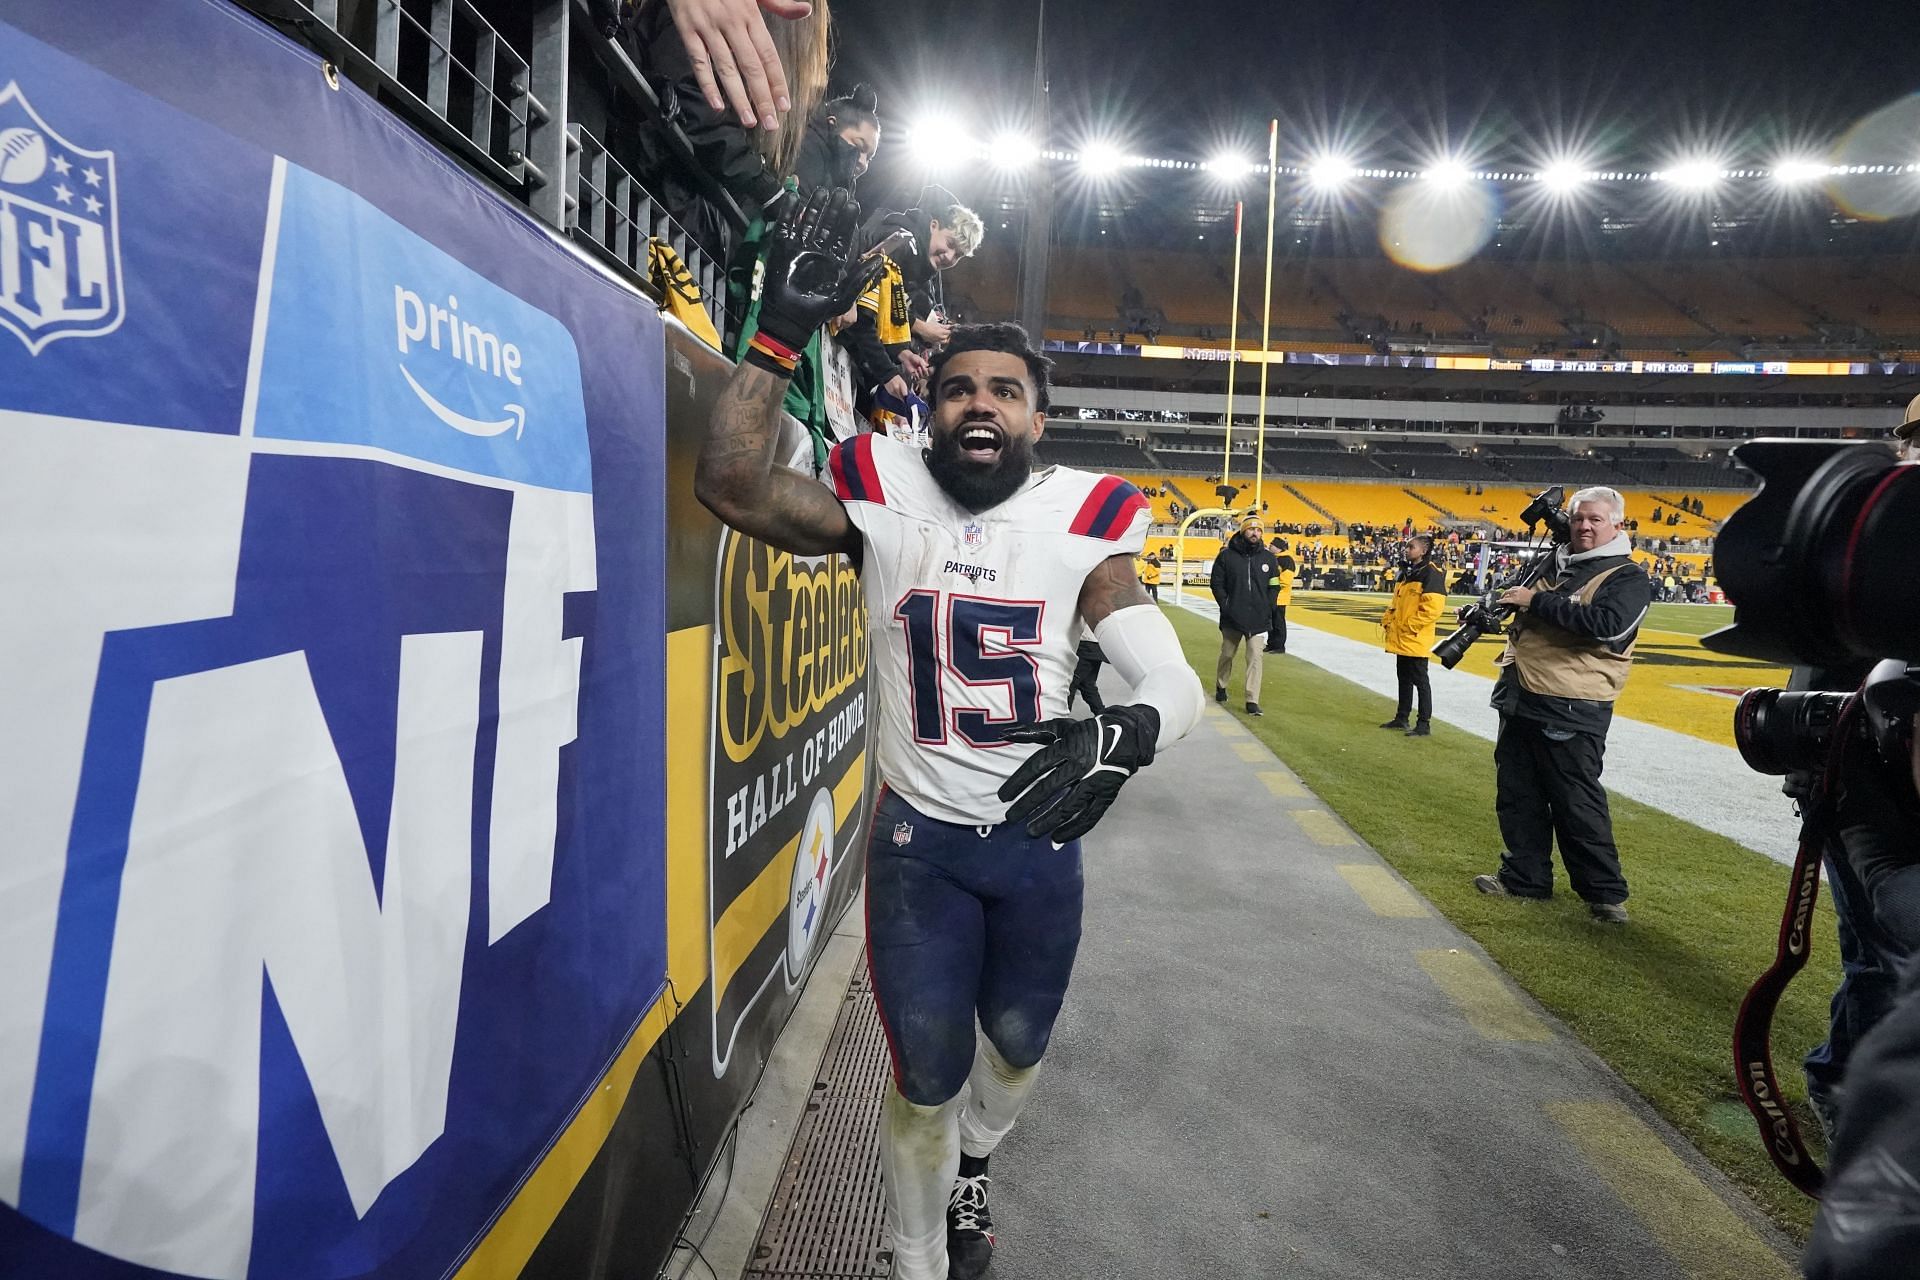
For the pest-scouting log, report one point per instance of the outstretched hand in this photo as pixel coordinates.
(811, 276)
(733, 56)
(1066, 787)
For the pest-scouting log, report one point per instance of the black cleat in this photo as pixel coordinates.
(1421, 730)
(1219, 693)
(969, 1227)
(1253, 709)
(1607, 912)
(1395, 723)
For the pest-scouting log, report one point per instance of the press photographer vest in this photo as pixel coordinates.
(1559, 664)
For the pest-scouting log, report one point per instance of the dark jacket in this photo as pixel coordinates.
(1245, 581)
(1612, 619)
(874, 361)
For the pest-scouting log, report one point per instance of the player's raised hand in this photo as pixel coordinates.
(1064, 788)
(811, 275)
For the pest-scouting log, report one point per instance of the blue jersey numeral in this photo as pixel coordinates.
(983, 642)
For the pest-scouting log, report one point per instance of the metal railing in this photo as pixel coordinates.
(456, 77)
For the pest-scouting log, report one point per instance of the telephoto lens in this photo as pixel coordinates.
(1817, 562)
(1780, 732)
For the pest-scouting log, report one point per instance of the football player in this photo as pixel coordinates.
(981, 575)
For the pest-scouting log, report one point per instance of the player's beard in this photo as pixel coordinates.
(977, 487)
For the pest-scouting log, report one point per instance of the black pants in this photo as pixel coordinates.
(1277, 633)
(1153, 589)
(1412, 674)
(1548, 785)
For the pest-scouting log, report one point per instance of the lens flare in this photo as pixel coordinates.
(1871, 178)
(1432, 228)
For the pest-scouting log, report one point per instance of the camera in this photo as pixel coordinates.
(1816, 563)
(1486, 618)
(1782, 732)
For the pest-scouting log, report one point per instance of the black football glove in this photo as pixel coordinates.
(1066, 786)
(810, 278)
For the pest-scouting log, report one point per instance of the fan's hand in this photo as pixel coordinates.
(1064, 788)
(810, 276)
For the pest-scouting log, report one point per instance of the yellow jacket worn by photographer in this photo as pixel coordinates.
(1419, 599)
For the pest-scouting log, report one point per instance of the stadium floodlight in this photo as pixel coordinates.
(1330, 172)
(1448, 174)
(1692, 175)
(940, 140)
(1013, 151)
(1794, 172)
(1563, 175)
(1229, 165)
(1099, 159)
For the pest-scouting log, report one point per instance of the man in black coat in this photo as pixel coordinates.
(1245, 581)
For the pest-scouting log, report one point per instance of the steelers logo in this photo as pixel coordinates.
(812, 868)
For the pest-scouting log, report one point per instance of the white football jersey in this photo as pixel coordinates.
(973, 617)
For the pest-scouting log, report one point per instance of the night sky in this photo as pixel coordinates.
(1629, 83)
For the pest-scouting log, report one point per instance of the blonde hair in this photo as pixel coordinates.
(965, 227)
(802, 46)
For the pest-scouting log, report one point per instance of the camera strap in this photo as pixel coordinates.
(1753, 1026)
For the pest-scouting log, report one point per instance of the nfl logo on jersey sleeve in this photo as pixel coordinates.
(59, 231)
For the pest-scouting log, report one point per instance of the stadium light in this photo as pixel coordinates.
(1798, 171)
(940, 140)
(1692, 175)
(1329, 172)
(1013, 151)
(1228, 165)
(1102, 158)
(1448, 174)
(1563, 175)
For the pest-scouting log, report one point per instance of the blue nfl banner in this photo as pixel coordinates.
(331, 666)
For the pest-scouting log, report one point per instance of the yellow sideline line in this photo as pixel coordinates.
(1383, 894)
(1706, 1238)
(1322, 828)
(1284, 785)
(1488, 1003)
(1252, 752)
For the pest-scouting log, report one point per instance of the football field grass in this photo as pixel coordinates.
(1655, 998)
(1677, 683)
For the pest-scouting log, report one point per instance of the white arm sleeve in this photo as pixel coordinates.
(1144, 651)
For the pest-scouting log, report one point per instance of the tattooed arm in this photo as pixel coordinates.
(738, 480)
(1113, 585)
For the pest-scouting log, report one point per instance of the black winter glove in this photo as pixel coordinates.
(809, 278)
(1066, 786)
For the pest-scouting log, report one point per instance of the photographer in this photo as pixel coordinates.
(1566, 661)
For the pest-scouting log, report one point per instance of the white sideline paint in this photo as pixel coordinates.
(1702, 783)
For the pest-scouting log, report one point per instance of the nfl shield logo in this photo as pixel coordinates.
(902, 833)
(973, 534)
(59, 231)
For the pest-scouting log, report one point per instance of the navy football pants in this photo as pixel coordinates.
(959, 926)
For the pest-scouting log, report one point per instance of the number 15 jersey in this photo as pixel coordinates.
(973, 617)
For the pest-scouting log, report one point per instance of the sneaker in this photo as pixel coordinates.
(1253, 709)
(969, 1228)
(1493, 885)
(1421, 730)
(1607, 912)
(1219, 693)
(1395, 723)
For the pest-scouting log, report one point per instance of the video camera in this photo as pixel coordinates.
(1485, 617)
